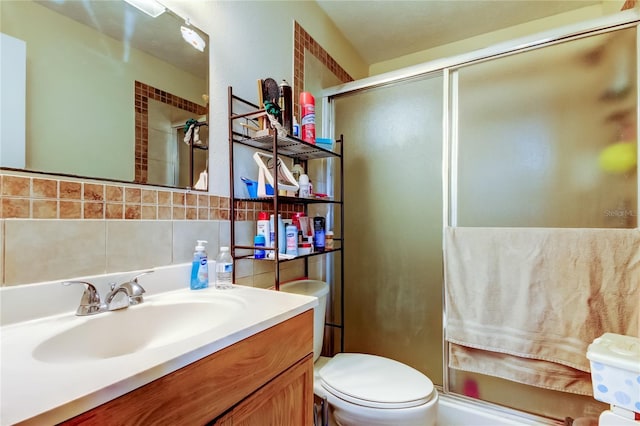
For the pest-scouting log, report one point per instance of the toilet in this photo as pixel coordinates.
(363, 389)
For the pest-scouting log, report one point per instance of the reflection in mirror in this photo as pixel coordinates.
(83, 59)
(169, 151)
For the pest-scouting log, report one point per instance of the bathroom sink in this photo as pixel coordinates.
(149, 325)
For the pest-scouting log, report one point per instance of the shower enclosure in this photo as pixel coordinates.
(535, 133)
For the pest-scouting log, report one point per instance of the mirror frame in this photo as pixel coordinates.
(144, 92)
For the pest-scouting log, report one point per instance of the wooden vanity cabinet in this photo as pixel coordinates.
(265, 379)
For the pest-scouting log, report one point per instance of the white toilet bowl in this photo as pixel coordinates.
(364, 389)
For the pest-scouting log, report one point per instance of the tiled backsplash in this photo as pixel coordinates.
(32, 197)
(58, 228)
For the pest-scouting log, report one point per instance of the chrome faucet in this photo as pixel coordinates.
(90, 302)
(131, 289)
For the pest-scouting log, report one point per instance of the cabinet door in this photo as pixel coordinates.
(287, 400)
(210, 387)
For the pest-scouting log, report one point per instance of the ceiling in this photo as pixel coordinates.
(385, 29)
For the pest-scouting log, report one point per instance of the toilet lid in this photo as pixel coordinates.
(374, 381)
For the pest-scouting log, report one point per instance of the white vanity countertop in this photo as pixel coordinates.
(37, 392)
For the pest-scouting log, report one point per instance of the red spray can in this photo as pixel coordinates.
(307, 117)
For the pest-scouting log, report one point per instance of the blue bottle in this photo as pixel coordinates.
(199, 267)
(318, 233)
(259, 241)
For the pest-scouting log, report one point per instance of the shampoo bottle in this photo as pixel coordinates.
(199, 267)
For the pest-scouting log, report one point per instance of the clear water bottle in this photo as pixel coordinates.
(224, 269)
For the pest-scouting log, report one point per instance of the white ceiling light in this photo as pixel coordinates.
(193, 38)
(150, 7)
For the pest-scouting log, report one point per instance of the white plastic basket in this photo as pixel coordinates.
(615, 370)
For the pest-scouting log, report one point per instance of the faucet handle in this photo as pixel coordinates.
(90, 302)
(135, 279)
(134, 289)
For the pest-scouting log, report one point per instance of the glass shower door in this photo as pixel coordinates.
(393, 221)
(547, 138)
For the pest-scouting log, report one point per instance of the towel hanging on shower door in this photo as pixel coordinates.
(524, 303)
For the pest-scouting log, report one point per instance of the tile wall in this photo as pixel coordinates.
(34, 197)
(58, 228)
(302, 42)
(144, 92)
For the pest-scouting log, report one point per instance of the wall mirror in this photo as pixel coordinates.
(109, 90)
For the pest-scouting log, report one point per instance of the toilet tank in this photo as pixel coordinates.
(318, 289)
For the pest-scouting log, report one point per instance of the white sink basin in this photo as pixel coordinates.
(78, 363)
(141, 327)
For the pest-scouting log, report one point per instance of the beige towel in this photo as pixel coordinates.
(538, 294)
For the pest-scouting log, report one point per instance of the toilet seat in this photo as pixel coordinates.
(375, 382)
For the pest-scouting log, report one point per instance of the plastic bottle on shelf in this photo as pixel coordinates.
(303, 183)
(282, 244)
(295, 219)
(263, 227)
(199, 267)
(318, 233)
(328, 240)
(272, 236)
(292, 240)
(259, 241)
(296, 127)
(224, 269)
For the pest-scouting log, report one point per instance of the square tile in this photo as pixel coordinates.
(65, 249)
(185, 235)
(70, 190)
(16, 186)
(138, 244)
